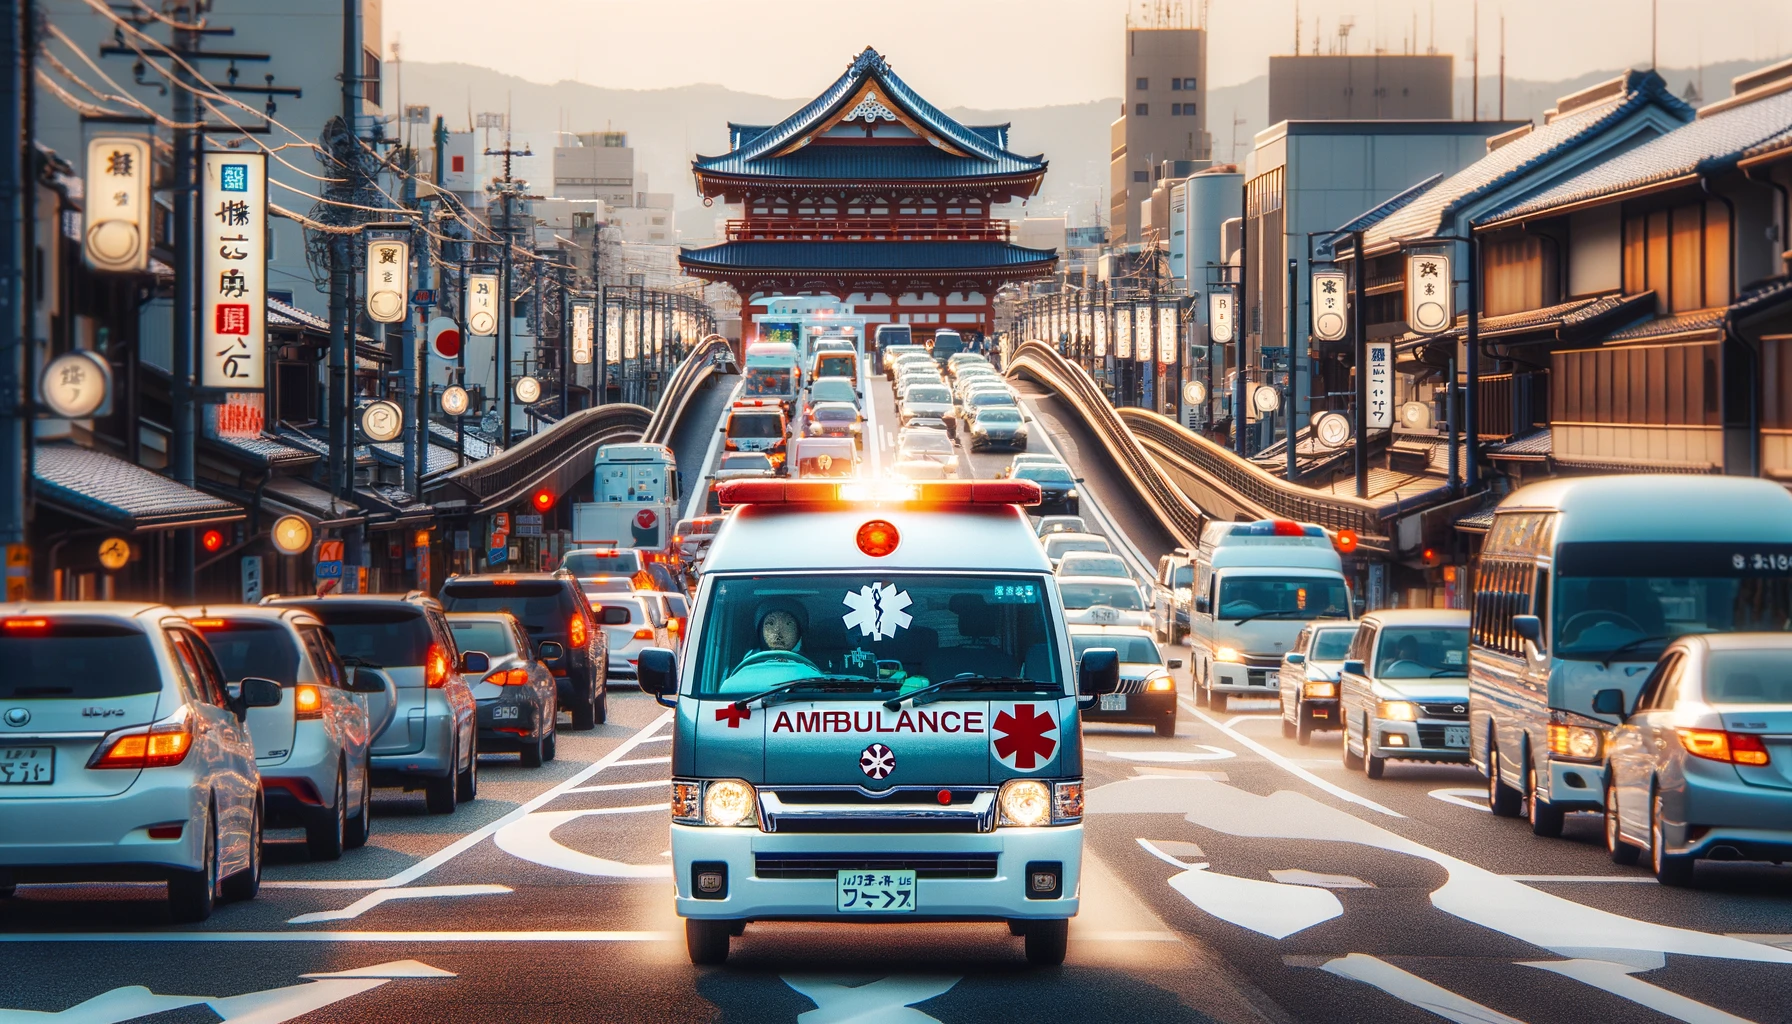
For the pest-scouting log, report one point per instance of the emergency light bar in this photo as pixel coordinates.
(820, 492)
(1277, 528)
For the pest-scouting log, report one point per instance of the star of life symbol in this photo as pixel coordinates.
(878, 761)
(1024, 737)
(876, 610)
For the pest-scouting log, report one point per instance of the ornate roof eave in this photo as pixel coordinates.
(713, 183)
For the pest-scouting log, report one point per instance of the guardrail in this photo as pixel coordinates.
(713, 355)
(1042, 363)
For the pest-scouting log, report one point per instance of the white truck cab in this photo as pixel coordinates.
(878, 715)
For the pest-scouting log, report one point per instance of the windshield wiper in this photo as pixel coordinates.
(820, 684)
(1270, 615)
(1006, 684)
(1612, 654)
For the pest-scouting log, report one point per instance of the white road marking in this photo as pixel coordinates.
(1275, 909)
(870, 426)
(267, 1007)
(1472, 798)
(301, 935)
(1236, 719)
(889, 999)
(1288, 766)
(532, 839)
(374, 899)
(1616, 979)
(390, 969)
(1414, 990)
(1586, 879)
(1301, 876)
(697, 503)
(640, 760)
(1172, 756)
(612, 786)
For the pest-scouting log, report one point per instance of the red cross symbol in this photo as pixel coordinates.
(733, 715)
(1024, 736)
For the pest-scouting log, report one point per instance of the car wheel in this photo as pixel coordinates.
(1287, 727)
(1047, 942)
(1167, 727)
(245, 884)
(552, 742)
(707, 941)
(1502, 799)
(1303, 730)
(326, 827)
(193, 894)
(1546, 818)
(1675, 869)
(1620, 851)
(530, 753)
(466, 784)
(1352, 761)
(602, 715)
(584, 713)
(361, 825)
(1374, 767)
(438, 793)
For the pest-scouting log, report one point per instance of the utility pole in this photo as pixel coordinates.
(411, 362)
(1474, 112)
(15, 330)
(1359, 322)
(187, 145)
(342, 328)
(506, 196)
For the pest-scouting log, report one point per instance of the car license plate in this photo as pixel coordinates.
(1455, 735)
(27, 766)
(874, 892)
(1113, 702)
(503, 713)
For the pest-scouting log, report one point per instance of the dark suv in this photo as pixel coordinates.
(552, 608)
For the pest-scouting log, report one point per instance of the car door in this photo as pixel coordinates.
(345, 713)
(458, 694)
(1637, 747)
(228, 755)
(1290, 677)
(1354, 689)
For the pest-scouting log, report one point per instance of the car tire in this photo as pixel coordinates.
(361, 825)
(602, 715)
(1287, 728)
(1351, 761)
(1303, 731)
(245, 884)
(531, 753)
(466, 783)
(707, 941)
(438, 793)
(1502, 799)
(1167, 727)
(1546, 818)
(551, 743)
(193, 894)
(326, 828)
(584, 713)
(1620, 851)
(1674, 869)
(1373, 767)
(1047, 942)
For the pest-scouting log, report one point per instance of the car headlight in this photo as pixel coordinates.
(1397, 711)
(1070, 493)
(1576, 742)
(728, 803)
(1228, 654)
(1161, 683)
(1025, 802)
(1321, 689)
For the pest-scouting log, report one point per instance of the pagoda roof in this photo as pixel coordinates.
(872, 163)
(868, 88)
(864, 256)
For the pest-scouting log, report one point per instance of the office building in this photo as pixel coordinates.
(1163, 117)
(1360, 87)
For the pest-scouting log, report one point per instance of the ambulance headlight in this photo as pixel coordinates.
(728, 803)
(1026, 802)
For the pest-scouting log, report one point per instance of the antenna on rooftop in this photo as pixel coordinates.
(1346, 22)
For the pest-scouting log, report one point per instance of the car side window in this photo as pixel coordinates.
(325, 663)
(1300, 642)
(185, 676)
(204, 670)
(1659, 682)
(1363, 644)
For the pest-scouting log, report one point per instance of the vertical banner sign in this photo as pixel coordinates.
(251, 579)
(1123, 332)
(482, 305)
(612, 334)
(388, 279)
(1327, 300)
(581, 333)
(1430, 294)
(1166, 334)
(1381, 384)
(631, 331)
(1101, 335)
(117, 229)
(233, 288)
(1141, 317)
(1219, 316)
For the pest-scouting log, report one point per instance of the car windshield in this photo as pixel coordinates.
(910, 630)
(1408, 652)
(385, 635)
(745, 460)
(998, 415)
(1124, 596)
(928, 393)
(1749, 677)
(607, 585)
(926, 441)
(1067, 524)
(756, 424)
(1183, 576)
(835, 365)
(1604, 610)
(245, 647)
(768, 382)
(1331, 644)
(833, 389)
(1043, 474)
(535, 604)
(990, 397)
(1136, 650)
(83, 661)
(1092, 563)
(603, 563)
(836, 413)
(1058, 545)
(1309, 597)
(490, 636)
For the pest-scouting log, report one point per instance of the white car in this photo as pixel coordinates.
(1057, 545)
(314, 747)
(1147, 694)
(1049, 525)
(919, 469)
(631, 623)
(928, 446)
(125, 755)
(1309, 679)
(1103, 601)
(928, 401)
(1093, 563)
(1403, 689)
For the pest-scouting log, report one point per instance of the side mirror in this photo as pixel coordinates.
(365, 680)
(257, 692)
(1353, 667)
(1203, 605)
(1173, 663)
(1079, 480)
(1528, 626)
(1098, 672)
(477, 662)
(1295, 658)
(550, 651)
(1358, 606)
(657, 670)
(1610, 702)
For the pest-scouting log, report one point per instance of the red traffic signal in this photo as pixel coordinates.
(211, 540)
(543, 500)
(1344, 541)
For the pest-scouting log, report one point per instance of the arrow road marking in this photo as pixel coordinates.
(1414, 990)
(267, 1007)
(885, 1002)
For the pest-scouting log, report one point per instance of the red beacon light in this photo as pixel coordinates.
(543, 500)
(1345, 541)
(819, 492)
(212, 540)
(878, 538)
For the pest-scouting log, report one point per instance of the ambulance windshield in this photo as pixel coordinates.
(763, 631)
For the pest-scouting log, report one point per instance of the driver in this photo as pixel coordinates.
(781, 626)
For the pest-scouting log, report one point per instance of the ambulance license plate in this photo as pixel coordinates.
(1113, 702)
(27, 766)
(874, 892)
(1456, 736)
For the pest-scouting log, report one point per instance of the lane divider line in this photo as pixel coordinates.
(631, 762)
(374, 899)
(609, 786)
(341, 936)
(1285, 764)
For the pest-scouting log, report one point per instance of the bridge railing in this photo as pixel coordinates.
(711, 356)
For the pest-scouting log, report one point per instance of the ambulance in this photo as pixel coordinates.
(878, 716)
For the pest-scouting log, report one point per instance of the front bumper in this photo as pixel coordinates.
(1422, 740)
(1146, 708)
(1243, 678)
(106, 838)
(1001, 896)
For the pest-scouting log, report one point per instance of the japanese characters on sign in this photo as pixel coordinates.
(1101, 337)
(482, 305)
(581, 333)
(118, 179)
(76, 384)
(1328, 302)
(388, 279)
(1123, 333)
(1381, 384)
(1219, 316)
(1142, 349)
(233, 286)
(1430, 294)
(239, 415)
(1166, 335)
(612, 334)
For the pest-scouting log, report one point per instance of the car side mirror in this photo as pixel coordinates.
(1098, 672)
(365, 680)
(1203, 605)
(1173, 663)
(550, 651)
(1358, 606)
(256, 692)
(657, 672)
(1610, 702)
(475, 661)
(1295, 658)
(1354, 668)
(1078, 480)
(1528, 626)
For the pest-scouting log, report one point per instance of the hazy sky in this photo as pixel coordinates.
(1022, 53)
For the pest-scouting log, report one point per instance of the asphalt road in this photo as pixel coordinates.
(1230, 875)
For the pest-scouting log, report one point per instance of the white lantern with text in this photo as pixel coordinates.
(1430, 294)
(117, 232)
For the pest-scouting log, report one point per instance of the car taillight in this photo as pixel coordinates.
(435, 667)
(1717, 745)
(575, 631)
(160, 745)
(307, 702)
(509, 677)
(674, 625)
(644, 634)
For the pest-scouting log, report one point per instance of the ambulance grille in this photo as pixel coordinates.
(924, 865)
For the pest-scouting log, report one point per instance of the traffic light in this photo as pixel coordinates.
(211, 540)
(543, 500)
(1431, 558)
(1344, 541)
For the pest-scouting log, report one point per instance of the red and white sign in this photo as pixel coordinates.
(233, 287)
(444, 338)
(1024, 737)
(874, 721)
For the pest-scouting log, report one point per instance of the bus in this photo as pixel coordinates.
(946, 344)
(773, 371)
(634, 501)
(887, 335)
(1581, 584)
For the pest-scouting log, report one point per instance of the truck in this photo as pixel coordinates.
(635, 504)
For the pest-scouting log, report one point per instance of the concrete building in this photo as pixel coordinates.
(1361, 87)
(1039, 232)
(1198, 206)
(600, 166)
(1163, 117)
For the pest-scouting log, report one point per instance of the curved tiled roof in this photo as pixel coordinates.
(112, 490)
(880, 163)
(828, 256)
(1707, 144)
